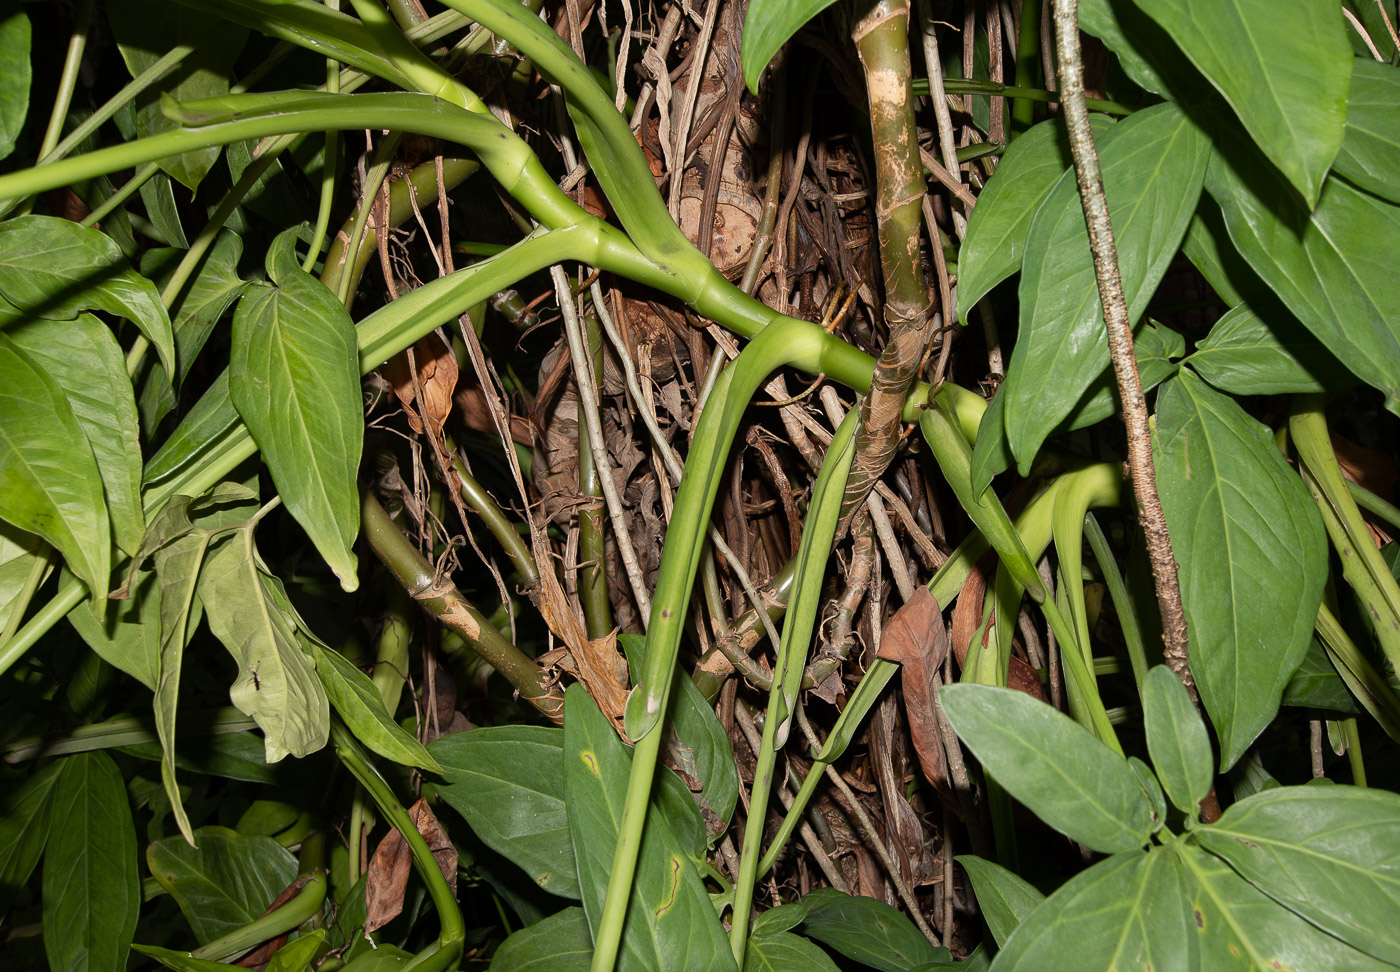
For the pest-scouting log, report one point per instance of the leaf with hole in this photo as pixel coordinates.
(1153, 163)
(1053, 765)
(1252, 553)
(276, 682)
(295, 380)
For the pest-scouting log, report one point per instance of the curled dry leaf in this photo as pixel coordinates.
(917, 640)
(387, 877)
(437, 376)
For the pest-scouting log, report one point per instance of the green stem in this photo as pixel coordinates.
(445, 953)
(484, 506)
(966, 86)
(68, 79)
(447, 605)
(307, 903)
(159, 69)
(1373, 504)
(122, 732)
(592, 558)
(1353, 738)
(1028, 67)
(1365, 683)
(1122, 602)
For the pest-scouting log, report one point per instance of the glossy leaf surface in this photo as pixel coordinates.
(1004, 898)
(1126, 912)
(506, 781)
(54, 268)
(15, 73)
(767, 27)
(995, 243)
(1053, 765)
(1252, 555)
(1153, 163)
(83, 358)
(1238, 927)
(559, 943)
(295, 380)
(1177, 739)
(1284, 68)
(1245, 355)
(49, 481)
(1370, 153)
(226, 882)
(1331, 854)
(868, 931)
(362, 707)
(670, 922)
(1329, 267)
(92, 889)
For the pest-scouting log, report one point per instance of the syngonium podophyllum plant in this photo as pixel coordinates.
(1255, 140)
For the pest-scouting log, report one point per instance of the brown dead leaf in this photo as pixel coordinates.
(261, 955)
(437, 376)
(602, 670)
(917, 639)
(967, 613)
(387, 877)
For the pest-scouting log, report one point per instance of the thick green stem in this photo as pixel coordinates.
(1028, 68)
(307, 903)
(592, 558)
(445, 604)
(882, 38)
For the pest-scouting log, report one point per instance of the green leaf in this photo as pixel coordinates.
(1125, 912)
(767, 27)
(1284, 68)
(995, 243)
(298, 955)
(92, 890)
(361, 706)
(198, 308)
(1317, 685)
(1177, 739)
(19, 551)
(1370, 153)
(24, 829)
(295, 380)
(670, 922)
(1239, 928)
(198, 436)
(1003, 898)
(1152, 789)
(49, 481)
(1053, 765)
(507, 782)
(559, 943)
(276, 683)
(226, 882)
(179, 961)
(1252, 553)
(128, 637)
(15, 73)
(784, 952)
(868, 931)
(1243, 355)
(1154, 348)
(1329, 267)
(1153, 163)
(54, 268)
(83, 358)
(1331, 855)
(145, 32)
(158, 193)
(700, 745)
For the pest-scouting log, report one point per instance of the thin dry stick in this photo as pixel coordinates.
(1120, 343)
(583, 370)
